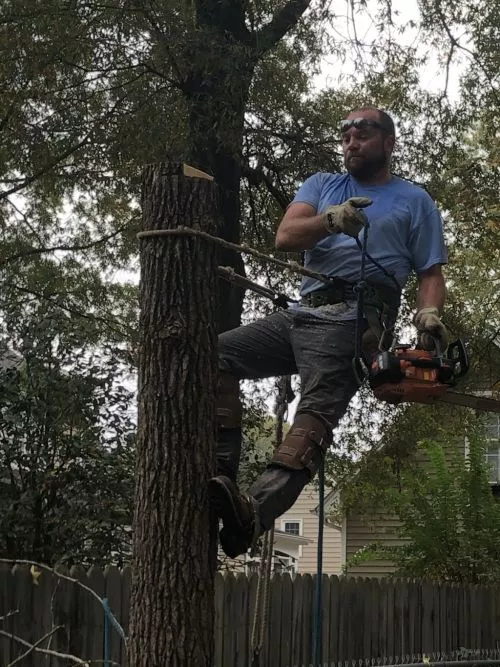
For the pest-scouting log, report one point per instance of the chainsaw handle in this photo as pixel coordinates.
(438, 348)
(457, 354)
(432, 362)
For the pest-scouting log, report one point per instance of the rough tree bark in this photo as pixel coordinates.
(174, 536)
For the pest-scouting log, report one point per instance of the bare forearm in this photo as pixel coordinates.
(301, 233)
(431, 291)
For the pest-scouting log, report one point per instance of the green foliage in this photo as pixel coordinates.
(93, 92)
(389, 440)
(450, 519)
(67, 455)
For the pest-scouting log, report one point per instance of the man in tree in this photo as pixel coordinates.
(317, 338)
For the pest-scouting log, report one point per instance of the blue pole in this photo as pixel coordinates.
(318, 616)
(107, 643)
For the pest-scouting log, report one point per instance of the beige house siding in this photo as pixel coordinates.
(360, 532)
(381, 527)
(304, 511)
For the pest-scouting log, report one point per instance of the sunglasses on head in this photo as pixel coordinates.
(360, 124)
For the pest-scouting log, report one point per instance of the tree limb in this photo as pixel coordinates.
(46, 651)
(46, 168)
(9, 613)
(283, 21)
(60, 158)
(456, 44)
(33, 647)
(258, 176)
(225, 17)
(70, 248)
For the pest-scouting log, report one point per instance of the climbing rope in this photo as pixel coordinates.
(262, 598)
(243, 248)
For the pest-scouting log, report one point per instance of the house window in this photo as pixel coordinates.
(493, 442)
(292, 527)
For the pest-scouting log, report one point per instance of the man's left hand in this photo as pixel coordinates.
(430, 328)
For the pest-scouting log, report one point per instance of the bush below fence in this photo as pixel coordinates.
(381, 620)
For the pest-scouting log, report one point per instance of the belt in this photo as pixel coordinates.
(329, 295)
(337, 292)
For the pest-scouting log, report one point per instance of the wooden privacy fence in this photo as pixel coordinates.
(362, 618)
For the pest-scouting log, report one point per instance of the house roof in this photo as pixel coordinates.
(288, 538)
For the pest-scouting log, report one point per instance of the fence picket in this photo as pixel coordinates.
(219, 619)
(228, 653)
(61, 605)
(326, 592)
(414, 639)
(274, 622)
(125, 609)
(334, 620)
(95, 614)
(427, 617)
(297, 620)
(286, 624)
(241, 619)
(7, 586)
(113, 593)
(23, 621)
(308, 616)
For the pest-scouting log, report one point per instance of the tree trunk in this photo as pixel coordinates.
(174, 536)
(216, 102)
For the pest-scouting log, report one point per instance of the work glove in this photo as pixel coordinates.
(347, 218)
(430, 328)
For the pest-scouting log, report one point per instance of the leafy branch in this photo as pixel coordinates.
(66, 247)
(112, 325)
(281, 23)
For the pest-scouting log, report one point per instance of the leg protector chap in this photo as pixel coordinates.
(229, 410)
(304, 446)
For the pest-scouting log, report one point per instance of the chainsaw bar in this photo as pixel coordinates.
(470, 401)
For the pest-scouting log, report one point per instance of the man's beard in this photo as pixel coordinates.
(366, 167)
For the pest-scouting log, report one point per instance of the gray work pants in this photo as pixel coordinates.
(285, 343)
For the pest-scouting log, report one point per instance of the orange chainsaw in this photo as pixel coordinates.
(414, 375)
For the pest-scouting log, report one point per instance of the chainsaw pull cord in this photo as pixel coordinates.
(358, 364)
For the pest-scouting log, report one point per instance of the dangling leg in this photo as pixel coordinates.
(257, 350)
(295, 462)
(323, 352)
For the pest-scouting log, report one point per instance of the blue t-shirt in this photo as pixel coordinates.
(405, 232)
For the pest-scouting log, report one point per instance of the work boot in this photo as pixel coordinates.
(238, 513)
